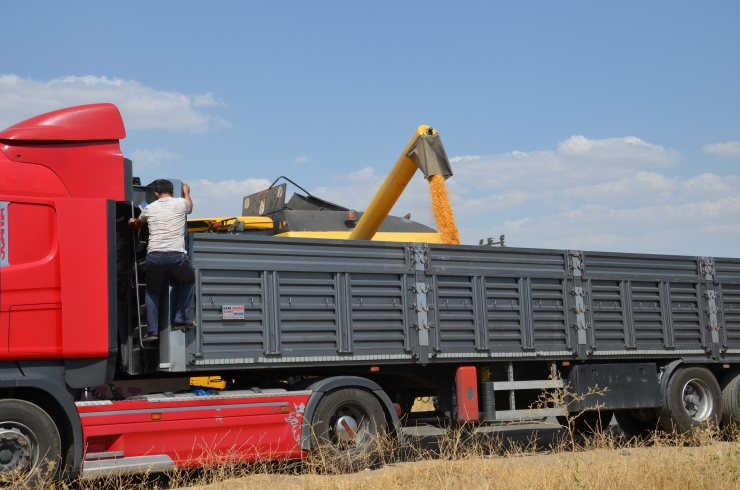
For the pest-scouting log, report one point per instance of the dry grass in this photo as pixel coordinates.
(468, 459)
(705, 459)
(644, 468)
(461, 460)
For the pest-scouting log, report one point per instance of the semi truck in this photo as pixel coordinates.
(321, 342)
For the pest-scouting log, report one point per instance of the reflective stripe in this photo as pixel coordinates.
(648, 352)
(184, 409)
(4, 243)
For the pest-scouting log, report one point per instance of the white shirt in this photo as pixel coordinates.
(167, 218)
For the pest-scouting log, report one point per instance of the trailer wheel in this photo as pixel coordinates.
(589, 422)
(638, 422)
(348, 428)
(30, 445)
(693, 399)
(730, 387)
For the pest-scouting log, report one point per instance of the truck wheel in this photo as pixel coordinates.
(730, 387)
(30, 445)
(589, 422)
(638, 422)
(348, 428)
(693, 399)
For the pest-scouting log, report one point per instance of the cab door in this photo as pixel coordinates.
(30, 282)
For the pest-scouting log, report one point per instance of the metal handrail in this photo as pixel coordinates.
(136, 280)
(286, 178)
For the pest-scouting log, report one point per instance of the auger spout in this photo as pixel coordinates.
(424, 151)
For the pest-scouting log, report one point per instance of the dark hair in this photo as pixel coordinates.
(163, 186)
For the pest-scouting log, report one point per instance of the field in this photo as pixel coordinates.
(542, 455)
(713, 466)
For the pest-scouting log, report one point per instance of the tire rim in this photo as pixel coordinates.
(19, 448)
(346, 428)
(349, 427)
(697, 400)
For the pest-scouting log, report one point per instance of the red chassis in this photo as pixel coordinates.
(158, 432)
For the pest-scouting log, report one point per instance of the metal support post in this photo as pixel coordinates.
(510, 373)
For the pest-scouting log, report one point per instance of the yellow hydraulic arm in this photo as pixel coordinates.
(424, 151)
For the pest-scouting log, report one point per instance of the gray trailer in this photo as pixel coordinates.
(661, 333)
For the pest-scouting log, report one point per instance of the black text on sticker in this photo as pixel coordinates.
(232, 312)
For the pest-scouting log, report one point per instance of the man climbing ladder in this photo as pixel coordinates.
(166, 254)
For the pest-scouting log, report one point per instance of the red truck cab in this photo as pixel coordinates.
(60, 175)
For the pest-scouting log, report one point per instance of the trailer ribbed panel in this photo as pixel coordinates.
(491, 261)
(377, 313)
(308, 313)
(646, 267)
(686, 313)
(731, 314)
(610, 327)
(728, 270)
(297, 297)
(646, 308)
(231, 338)
(504, 316)
(548, 314)
(456, 323)
(239, 252)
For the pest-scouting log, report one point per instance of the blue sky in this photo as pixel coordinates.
(573, 124)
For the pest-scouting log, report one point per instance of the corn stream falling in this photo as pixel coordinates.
(443, 213)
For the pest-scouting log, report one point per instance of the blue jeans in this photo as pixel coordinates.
(160, 266)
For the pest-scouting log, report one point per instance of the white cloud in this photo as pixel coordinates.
(627, 149)
(639, 187)
(142, 107)
(366, 175)
(691, 228)
(493, 202)
(353, 190)
(301, 159)
(730, 149)
(149, 159)
(211, 199)
(207, 100)
(608, 194)
(708, 185)
(578, 161)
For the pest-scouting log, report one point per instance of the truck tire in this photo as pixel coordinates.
(348, 430)
(637, 423)
(730, 387)
(589, 422)
(30, 446)
(693, 399)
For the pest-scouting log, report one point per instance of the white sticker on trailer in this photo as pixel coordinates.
(4, 244)
(232, 312)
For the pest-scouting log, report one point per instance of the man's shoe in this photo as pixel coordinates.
(150, 337)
